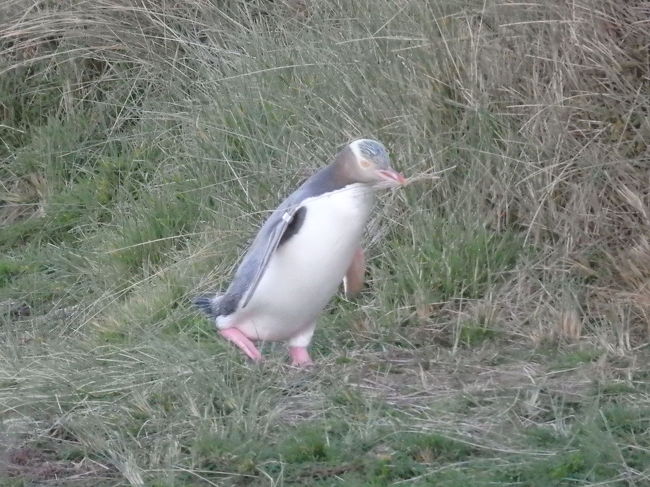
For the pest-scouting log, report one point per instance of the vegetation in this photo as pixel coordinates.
(503, 336)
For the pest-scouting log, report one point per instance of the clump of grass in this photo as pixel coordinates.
(9, 270)
(465, 261)
(502, 335)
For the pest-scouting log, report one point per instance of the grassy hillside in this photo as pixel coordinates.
(503, 336)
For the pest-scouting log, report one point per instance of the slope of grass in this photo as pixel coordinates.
(503, 335)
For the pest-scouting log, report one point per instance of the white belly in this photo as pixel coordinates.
(305, 272)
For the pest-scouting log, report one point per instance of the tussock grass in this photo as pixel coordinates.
(503, 335)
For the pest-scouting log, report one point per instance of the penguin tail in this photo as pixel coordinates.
(208, 303)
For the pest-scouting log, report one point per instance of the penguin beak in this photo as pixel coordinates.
(393, 177)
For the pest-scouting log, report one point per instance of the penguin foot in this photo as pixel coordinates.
(300, 357)
(242, 342)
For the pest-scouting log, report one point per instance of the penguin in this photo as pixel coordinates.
(303, 251)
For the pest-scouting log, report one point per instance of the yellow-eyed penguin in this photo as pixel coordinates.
(308, 245)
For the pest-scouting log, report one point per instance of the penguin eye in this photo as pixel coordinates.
(365, 163)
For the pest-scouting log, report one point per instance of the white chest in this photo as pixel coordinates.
(305, 272)
(322, 249)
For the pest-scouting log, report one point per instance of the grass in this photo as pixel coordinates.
(503, 335)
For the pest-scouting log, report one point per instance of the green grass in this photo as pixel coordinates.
(502, 338)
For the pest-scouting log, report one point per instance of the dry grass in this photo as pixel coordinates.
(503, 337)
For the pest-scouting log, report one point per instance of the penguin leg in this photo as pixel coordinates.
(353, 280)
(298, 347)
(243, 342)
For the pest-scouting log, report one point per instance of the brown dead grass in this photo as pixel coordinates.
(577, 77)
(548, 103)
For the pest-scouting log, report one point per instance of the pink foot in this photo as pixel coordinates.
(300, 357)
(243, 342)
(353, 280)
